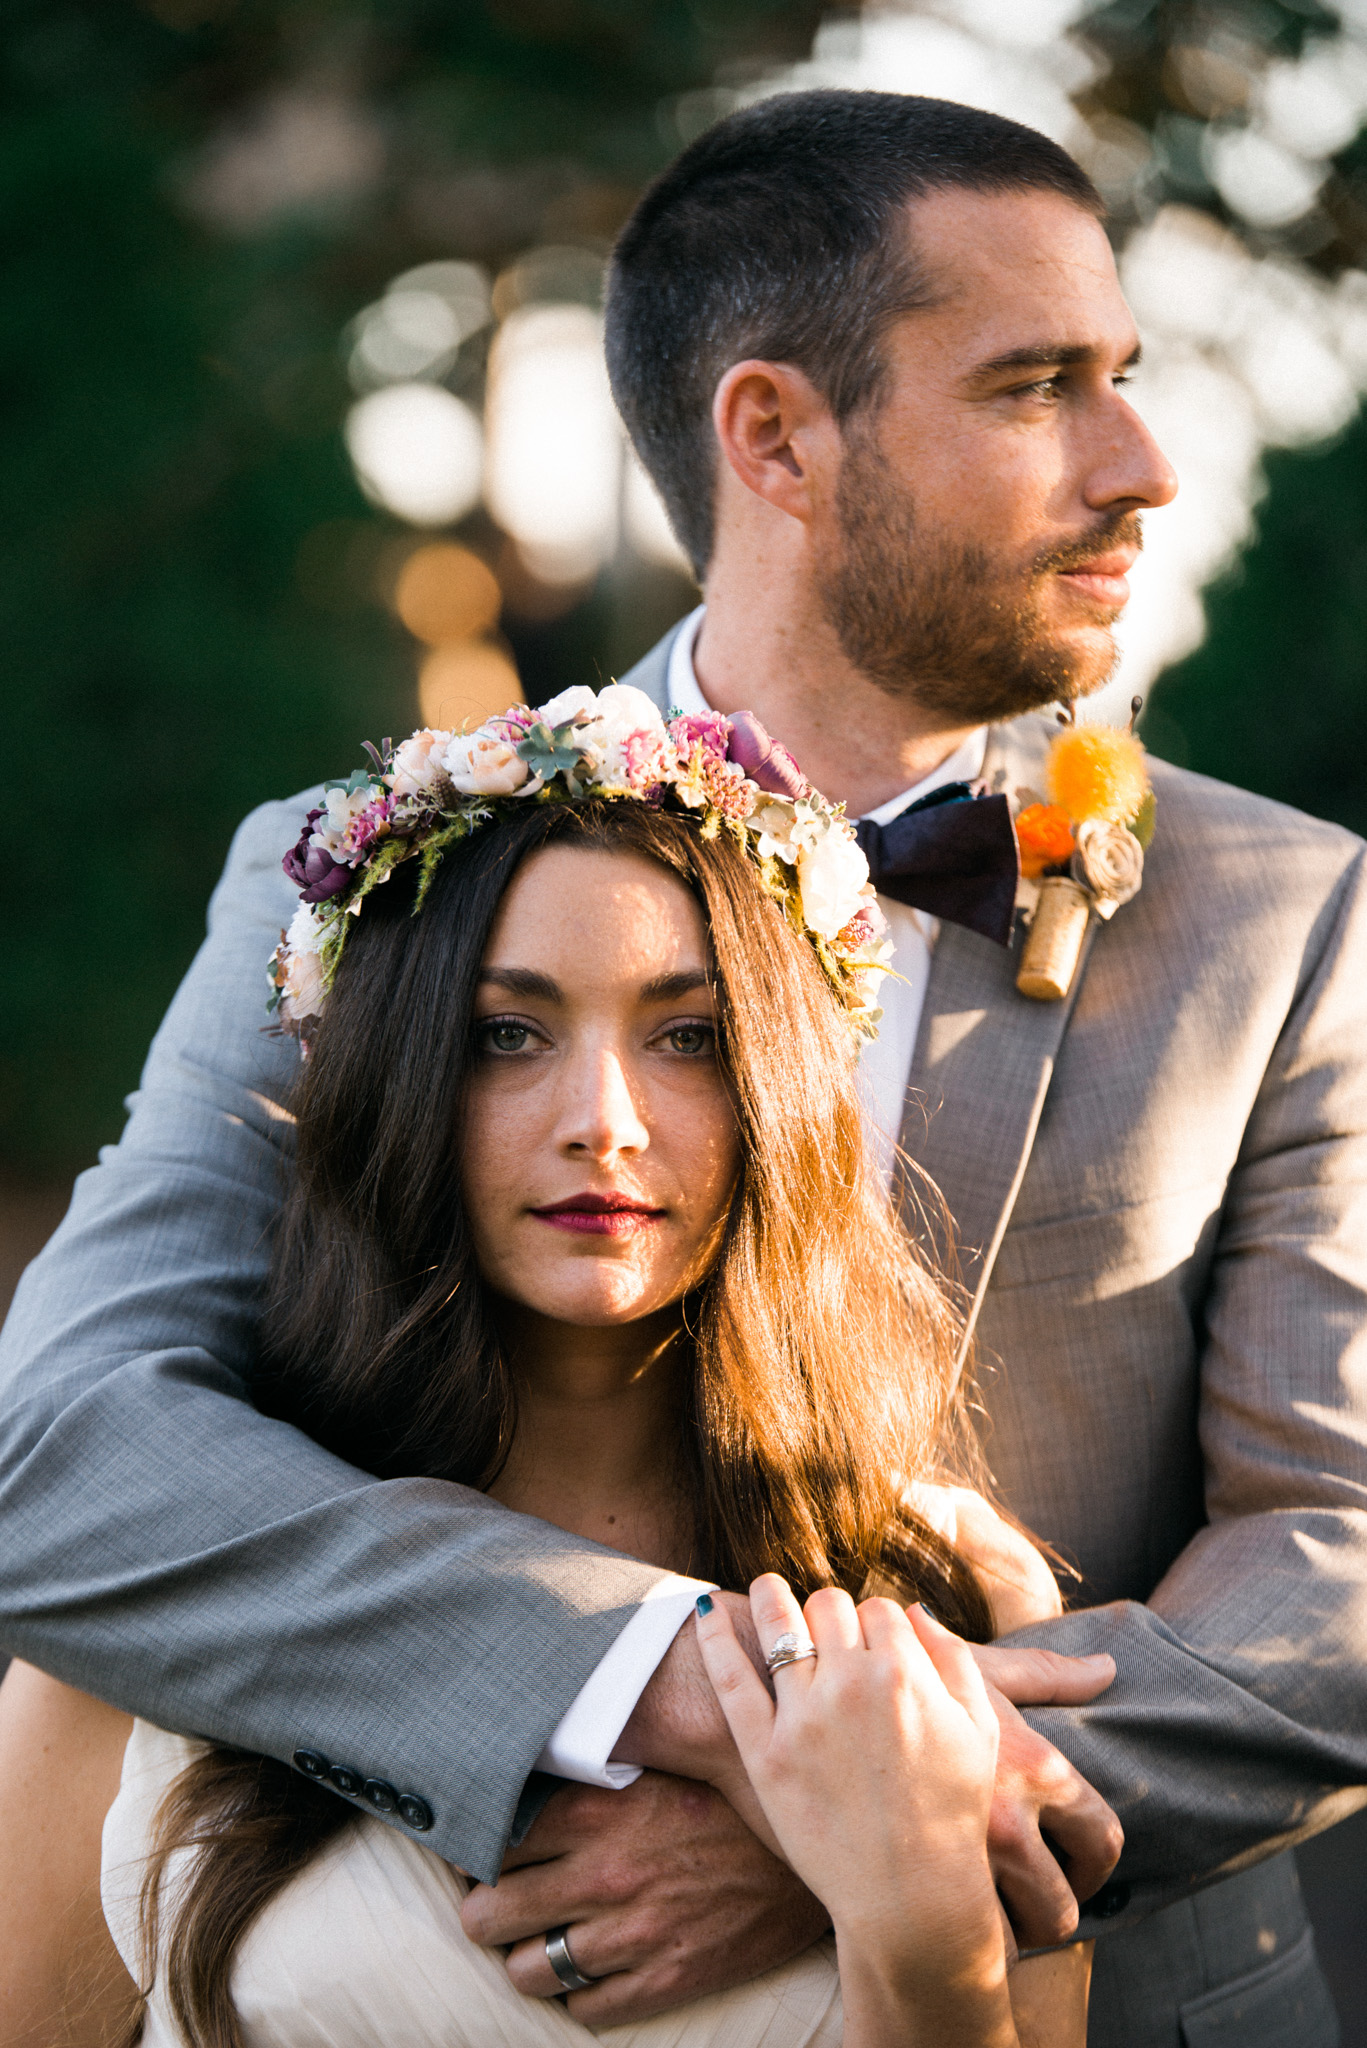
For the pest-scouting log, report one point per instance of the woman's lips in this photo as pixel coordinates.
(599, 1215)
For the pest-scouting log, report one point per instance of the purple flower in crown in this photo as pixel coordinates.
(710, 727)
(312, 869)
(767, 764)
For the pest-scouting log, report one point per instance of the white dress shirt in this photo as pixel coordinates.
(584, 1739)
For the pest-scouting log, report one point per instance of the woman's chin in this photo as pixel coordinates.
(601, 1301)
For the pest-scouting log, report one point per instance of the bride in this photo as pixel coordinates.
(583, 1218)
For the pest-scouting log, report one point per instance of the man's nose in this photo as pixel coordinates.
(599, 1116)
(1130, 471)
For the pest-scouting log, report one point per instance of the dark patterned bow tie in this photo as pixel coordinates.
(952, 854)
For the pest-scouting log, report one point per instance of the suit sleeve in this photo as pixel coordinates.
(171, 1550)
(1238, 1722)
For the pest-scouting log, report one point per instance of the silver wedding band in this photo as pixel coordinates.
(789, 1649)
(562, 1962)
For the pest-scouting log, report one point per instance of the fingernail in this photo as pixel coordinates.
(704, 1603)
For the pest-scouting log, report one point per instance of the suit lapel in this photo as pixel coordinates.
(984, 1059)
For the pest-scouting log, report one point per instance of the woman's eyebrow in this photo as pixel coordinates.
(664, 988)
(524, 981)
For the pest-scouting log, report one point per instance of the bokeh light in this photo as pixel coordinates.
(445, 592)
(554, 476)
(464, 683)
(417, 451)
(420, 325)
(646, 521)
(450, 600)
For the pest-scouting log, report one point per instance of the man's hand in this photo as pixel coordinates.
(1038, 1792)
(665, 1891)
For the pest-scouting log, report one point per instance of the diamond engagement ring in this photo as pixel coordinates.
(563, 1963)
(789, 1648)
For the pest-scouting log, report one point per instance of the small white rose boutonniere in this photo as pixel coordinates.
(1082, 851)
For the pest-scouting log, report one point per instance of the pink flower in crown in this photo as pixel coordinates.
(708, 782)
(866, 928)
(648, 760)
(366, 827)
(709, 727)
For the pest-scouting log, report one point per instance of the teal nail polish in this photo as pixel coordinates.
(704, 1603)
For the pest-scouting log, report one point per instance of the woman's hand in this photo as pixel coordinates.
(874, 1766)
(1015, 1576)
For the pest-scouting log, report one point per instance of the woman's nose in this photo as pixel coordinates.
(600, 1117)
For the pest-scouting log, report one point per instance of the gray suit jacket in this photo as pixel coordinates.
(1161, 1188)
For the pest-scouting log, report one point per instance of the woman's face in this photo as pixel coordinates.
(600, 1143)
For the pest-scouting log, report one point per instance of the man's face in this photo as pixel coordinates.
(987, 506)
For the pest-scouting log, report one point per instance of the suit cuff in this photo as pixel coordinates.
(584, 1738)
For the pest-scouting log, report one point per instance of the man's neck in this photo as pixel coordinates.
(857, 743)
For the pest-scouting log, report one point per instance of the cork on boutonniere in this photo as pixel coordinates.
(1082, 851)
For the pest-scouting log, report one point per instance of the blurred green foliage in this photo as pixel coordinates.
(1276, 698)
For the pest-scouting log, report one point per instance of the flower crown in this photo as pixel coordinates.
(437, 788)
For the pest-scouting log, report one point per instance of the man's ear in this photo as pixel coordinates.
(778, 435)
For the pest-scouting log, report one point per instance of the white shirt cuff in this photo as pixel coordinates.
(586, 1734)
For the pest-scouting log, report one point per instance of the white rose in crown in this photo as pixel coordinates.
(578, 702)
(302, 991)
(624, 736)
(832, 875)
(417, 768)
(484, 763)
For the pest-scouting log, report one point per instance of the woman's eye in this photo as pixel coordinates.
(693, 1040)
(501, 1035)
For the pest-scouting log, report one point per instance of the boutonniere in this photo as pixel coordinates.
(1081, 849)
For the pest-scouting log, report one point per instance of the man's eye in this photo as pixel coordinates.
(693, 1040)
(501, 1035)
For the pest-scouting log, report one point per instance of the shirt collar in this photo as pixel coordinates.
(683, 693)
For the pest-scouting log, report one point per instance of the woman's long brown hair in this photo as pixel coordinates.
(824, 1351)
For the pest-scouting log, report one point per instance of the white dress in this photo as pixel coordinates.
(364, 1949)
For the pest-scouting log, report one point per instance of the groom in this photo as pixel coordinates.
(873, 350)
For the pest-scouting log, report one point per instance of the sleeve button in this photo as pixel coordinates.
(345, 1779)
(311, 1762)
(415, 1811)
(381, 1795)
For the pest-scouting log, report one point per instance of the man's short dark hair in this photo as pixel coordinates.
(777, 234)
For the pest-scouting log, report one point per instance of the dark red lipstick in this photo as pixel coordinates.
(600, 1215)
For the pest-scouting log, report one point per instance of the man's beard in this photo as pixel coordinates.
(935, 619)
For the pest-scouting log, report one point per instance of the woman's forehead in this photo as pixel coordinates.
(588, 913)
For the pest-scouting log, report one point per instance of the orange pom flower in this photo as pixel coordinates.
(1045, 838)
(1098, 772)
